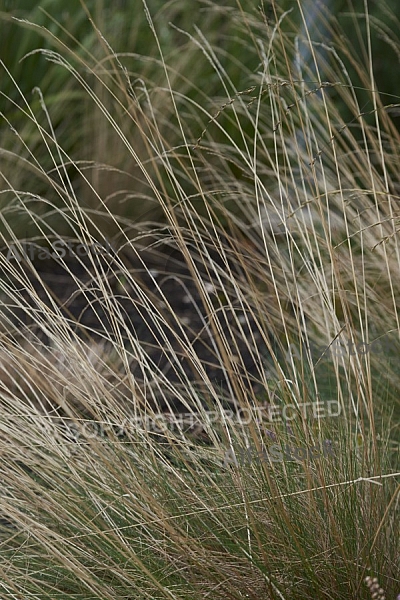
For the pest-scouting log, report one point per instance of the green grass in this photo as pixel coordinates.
(290, 205)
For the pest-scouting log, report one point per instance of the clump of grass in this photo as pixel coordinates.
(284, 220)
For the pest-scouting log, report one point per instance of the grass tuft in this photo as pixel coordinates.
(199, 313)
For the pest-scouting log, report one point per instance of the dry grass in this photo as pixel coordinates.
(286, 221)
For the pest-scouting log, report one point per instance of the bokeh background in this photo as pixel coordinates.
(91, 35)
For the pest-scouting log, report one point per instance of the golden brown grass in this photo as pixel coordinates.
(286, 217)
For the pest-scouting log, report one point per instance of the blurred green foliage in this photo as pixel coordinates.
(123, 24)
(67, 28)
